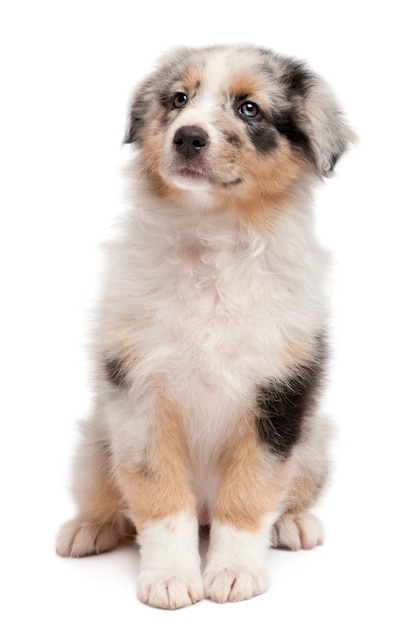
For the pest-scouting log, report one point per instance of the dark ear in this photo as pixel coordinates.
(147, 94)
(132, 128)
(140, 104)
(319, 116)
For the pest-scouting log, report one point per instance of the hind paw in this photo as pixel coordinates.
(79, 538)
(296, 531)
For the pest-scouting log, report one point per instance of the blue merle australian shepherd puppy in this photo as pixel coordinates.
(210, 335)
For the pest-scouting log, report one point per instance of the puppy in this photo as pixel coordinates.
(210, 336)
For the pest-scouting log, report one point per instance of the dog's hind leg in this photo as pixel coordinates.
(297, 528)
(100, 525)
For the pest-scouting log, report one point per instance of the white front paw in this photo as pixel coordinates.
(236, 562)
(169, 591)
(170, 575)
(233, 584)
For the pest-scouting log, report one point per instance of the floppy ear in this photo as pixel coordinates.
(148, 93)
(131, 130)
(329, 133)
(140, 104)
(319, 116)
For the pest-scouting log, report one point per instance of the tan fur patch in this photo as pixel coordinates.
(162, 488)
(192, 79)
(306, 488)
(119, 339)
(269, 184)
(245, 85)
(101, 500)
(253, 482)
(148, 164)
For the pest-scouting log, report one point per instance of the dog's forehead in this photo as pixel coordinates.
(222, 72)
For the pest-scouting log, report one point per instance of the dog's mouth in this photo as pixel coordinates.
(195, 172)
(191, 171)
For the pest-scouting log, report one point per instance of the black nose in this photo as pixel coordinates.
(189, 140)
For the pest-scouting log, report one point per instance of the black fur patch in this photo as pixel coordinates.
(283, 405)
(297, 78)
(117, 373)
(287, 126)
(262, 135)
(298, 81)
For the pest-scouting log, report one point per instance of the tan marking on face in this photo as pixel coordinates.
(253, 483)
(147, 165)
(268, 183)
(191, 80)
(246, 85)
(162, 489)
(151, 169)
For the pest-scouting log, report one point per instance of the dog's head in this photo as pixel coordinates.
(234, 120)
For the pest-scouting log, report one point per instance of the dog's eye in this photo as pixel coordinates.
(249, 109)
(179, 100)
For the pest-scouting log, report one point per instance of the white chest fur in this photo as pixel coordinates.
(225, 301)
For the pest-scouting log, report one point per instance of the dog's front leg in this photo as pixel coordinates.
(249, 500)
(161, 504)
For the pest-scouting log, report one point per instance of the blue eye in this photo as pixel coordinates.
(249, 109)
(180, 99)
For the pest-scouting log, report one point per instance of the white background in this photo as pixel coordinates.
(67, 72)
